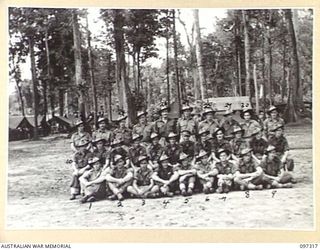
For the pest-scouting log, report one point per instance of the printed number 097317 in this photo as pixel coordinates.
(308, 245)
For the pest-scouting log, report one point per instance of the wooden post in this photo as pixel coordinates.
(256, 90)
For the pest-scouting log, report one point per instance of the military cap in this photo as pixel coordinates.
(78, 123)
(83, 142)
(163, 157)
(142, 113)
(202, 153)
(237, 129)
(183, 156)
(102, 119)
(117, 158)
(218, 129)
(220, 151)
(245, 151)
(116, 142)
(246, 110)
(154, 135)
(186, 107)
(99, 138)
(136, 137)
(276, 127)
(227, 112)
(142, 158)
(270, 148)
(172, 135)
(272, 108)
(93, 160)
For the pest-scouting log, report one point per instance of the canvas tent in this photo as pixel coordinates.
(61, 124)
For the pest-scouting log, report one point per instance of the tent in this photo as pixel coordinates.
(19, 128)
(60, 124)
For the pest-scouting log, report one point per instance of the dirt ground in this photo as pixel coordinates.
(38, 196)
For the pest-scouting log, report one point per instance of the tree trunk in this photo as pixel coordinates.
(238, 54)
(109, 89)
(66, 104)
(246, 52)
(263, 73)
(134, 72)
(192, 61)
(21, 99)
(125, 94)
(61, 102)
(148, 91)
(202, 78)
(35, 89)
(167, 68)
(176, 61)
(48, 74)
(283, 71)
(269, 56)
(295, 97)
(78, 68)
(138, 72)
(256, 88)
(290, 112)
(91, 69)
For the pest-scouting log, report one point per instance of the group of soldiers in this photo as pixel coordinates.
(195, 153)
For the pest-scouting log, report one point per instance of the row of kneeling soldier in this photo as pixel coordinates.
(170, 157)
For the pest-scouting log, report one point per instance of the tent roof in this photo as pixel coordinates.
(31, 119)
(14, 121)
(63, 119)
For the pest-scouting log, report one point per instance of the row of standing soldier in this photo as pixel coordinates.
(169, 156)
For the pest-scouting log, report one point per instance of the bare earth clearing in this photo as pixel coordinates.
(38, 196)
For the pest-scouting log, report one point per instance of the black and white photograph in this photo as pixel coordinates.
(141, 118)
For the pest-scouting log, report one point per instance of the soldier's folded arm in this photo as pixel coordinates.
(201, 175)
(238, 174)
(135, 186)
(173, 177)
(100, 179)
(82, 170)
(84, 178)
(214, 172)
(271, 177)
(128, 177)
(75, 167)
(285, 156)
(109, 178)
(258, 172)
(150, 186)
(187, 172)
(157, 178)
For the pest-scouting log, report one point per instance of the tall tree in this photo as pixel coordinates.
(202, 78)
(125, 95)
(78, 64)
(35, 86)
(91, 72)
(23, 24)
(295, 99)
(246, 51)
(15, 73)
(166, 22)
(192, 58)
(175, 49)
(141, 28)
